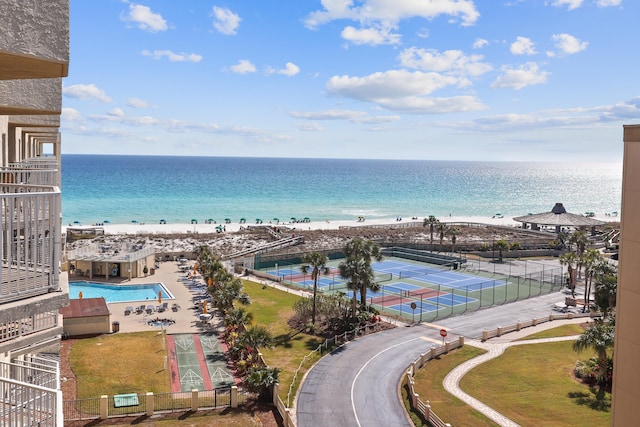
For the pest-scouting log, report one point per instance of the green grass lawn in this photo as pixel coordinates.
(120, 363)
(272, 309)
(530, 384)
(428, 384)
(533, 385)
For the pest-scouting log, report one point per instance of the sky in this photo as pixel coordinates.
(507, 80)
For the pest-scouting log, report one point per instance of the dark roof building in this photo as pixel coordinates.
(558, 218)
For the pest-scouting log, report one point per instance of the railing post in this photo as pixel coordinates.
(499, 330)
(460, 341)
(518, 326)
(276, 389)
(551, 317)
(427, 410)
(534, 322)
(149, 402)
(234, 396)
(485, 334)
(104, 407)
(194, 399)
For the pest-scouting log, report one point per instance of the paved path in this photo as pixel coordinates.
(357, 385)
(495, 348)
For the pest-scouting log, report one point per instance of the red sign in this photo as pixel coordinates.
(443, 333)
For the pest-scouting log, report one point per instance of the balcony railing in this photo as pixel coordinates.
(30, 394)
(35, 176)
(29, 240)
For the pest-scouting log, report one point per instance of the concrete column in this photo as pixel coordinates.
(194, 400)
(104, 407)
(149, 403)
(276, 390)
(234, 396)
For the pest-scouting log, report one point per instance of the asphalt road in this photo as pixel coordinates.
(357, 385)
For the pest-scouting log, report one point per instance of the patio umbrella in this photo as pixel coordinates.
(159, 297)
(204, 307)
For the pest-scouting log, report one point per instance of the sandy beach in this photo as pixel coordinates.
(201, 228)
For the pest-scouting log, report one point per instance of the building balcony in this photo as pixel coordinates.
(30, 240)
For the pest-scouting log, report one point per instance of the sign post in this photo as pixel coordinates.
(413, 307)
(443, 334)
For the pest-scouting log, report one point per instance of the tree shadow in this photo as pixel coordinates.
(596, 399)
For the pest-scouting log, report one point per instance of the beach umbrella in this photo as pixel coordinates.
(80, 295)
(194, 221)
(76, 222)
(227, 220)
(159, 297)
(276, 219)
(106, 221)
(258, 220)
(134, 220)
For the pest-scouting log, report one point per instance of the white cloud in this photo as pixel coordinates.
(116, 112)
(571, 4)
(607, 3)
(138, 103)
(518, 78)
(309, 127)
(226, 21)
(523, 46)
(568, 44)
(145, 19)
(71, 115)
(370, 36)
(392, 11)
(402, 90)
(89, 92)
(172, 56)
(290, 69)
(480, 43)
(451, 61)
(243, 66)
(346, 115)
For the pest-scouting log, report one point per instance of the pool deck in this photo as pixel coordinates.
(186, 318)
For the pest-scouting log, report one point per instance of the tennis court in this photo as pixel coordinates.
(438, 285)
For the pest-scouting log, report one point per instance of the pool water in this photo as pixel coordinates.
(119, 293)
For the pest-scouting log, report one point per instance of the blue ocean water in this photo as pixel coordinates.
(121, 189)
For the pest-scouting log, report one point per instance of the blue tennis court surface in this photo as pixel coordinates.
(451, 300)
(405, 307)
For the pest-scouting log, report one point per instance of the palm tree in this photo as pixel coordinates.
(431, 222)
(501, 245)
(357, 270)
(590, 258)
(580, 240)
(368, 251)
(516, 246)
(238, 316)
(442, 230)
(454, 233)
(254, 338)
(317, 262)
(570, 259)
(352, 269)
(606, 287)
(599, 337)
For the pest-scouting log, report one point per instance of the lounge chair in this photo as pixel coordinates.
(165, 306)
(150, 309)
(175, 307)
(128, 310)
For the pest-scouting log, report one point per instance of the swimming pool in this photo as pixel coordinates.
(119, 293)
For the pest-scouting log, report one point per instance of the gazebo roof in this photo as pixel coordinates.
(559, 217)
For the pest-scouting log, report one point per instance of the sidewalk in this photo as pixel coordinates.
(495, 347)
